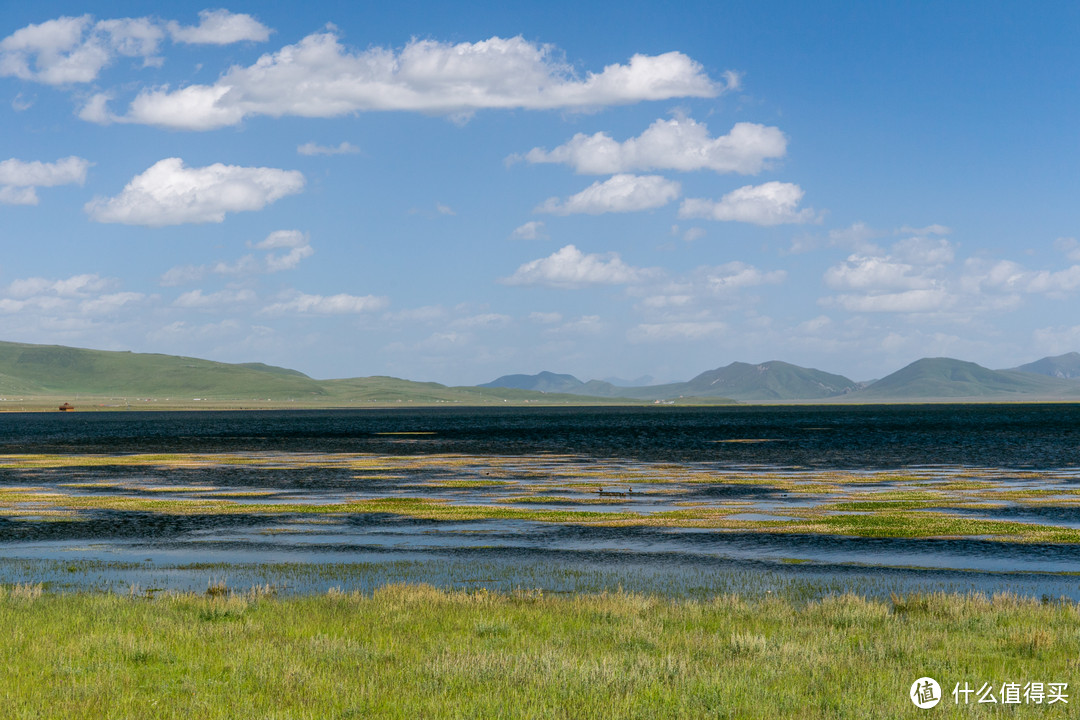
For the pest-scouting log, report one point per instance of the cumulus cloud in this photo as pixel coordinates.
(545, 318)
(341, 304)
(909, 301)
(196, 299)
(343, 148)
(424, 314)
(170, 193)
(297, 243)
(19, 180)
(1008, 276)
(737, 275)
(911, 278)
(532, 230)
(18, 195)
(71, 50)
(72, 287)
(109, 303)
(484, 320)
(1069, 246)
(704, 286)
(571, 268)
(619, 193)
(66, 303)
(681, 330)
(220, 27)
(319, 77)
(773, 203)
(875, 273)
(677, 144)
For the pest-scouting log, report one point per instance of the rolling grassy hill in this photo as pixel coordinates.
(1063, 366)
(65, 373)
(936, 378)
(767, 382)
(57, 371)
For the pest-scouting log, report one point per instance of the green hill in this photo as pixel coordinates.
(772, 381)
(57, 371)
(1065, 366)
(936, 378)
(769, 381)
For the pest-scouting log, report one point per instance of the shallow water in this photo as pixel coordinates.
(643, 460)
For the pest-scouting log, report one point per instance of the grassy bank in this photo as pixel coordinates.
(414, 651)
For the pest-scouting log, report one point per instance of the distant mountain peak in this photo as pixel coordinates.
(1065, 366)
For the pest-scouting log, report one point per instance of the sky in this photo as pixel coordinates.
(452, 193)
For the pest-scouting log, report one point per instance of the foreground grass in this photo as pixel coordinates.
(419, 652)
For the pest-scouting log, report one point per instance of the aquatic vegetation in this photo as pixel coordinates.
(458, 487)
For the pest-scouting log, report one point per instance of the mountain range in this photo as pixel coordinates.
(774, 381)
(52, 371)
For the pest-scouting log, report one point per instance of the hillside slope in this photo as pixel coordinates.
(933, 378)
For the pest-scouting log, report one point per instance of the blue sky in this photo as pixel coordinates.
(621, 189)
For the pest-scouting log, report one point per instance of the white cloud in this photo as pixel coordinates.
(677, 144)
(737, 275)
(485, 320)
(318, 77)
(425, 314)
(658, 302)
(921, 250)
(704, 287)
(909, 301)
(570, 268)
(110, 303)
(182, 275)
(19, 179)
(859, 272)
(343, 148)
(72, 287)
(815, 325)
(773, 203)
(684, 330)
(75, 49)
(619, 193)
(1008, 276)
(1057, 340)
(1069, 247)
(220, 27)
(340, 304)
(294, 241)
(587, 325)
(18, 195)
(532, 230)
(545, 318)
(858, 236)
(282, 239)
(934, 229)
(222, 298)
(20, 103)
(169, 193)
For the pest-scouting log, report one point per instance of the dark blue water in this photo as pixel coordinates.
(171, 550)
(848, 437)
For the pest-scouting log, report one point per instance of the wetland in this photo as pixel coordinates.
(680, 501)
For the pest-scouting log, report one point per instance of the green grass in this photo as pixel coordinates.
(418, 652)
